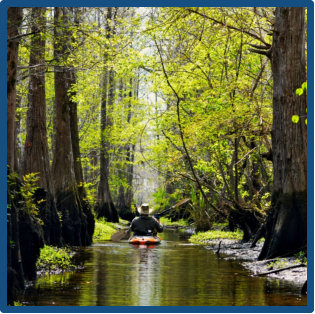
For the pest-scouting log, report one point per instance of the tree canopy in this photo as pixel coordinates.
(164, 104)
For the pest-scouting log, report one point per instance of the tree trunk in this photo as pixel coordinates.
(14, 21)
(125, 195)
(36, 158)
(105, 206)
(286, 223)
(130, 168)
(77, 160)
(15, 276)
(74, 221)
(75, 135)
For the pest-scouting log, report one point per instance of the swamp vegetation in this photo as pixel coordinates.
(111, 107)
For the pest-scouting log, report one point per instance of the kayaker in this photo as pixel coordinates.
(145, 224)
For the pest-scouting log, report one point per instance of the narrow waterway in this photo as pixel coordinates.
(172, 273)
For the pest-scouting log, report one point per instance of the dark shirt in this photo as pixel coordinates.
(145, 225)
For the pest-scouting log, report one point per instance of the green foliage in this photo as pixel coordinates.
(160, 199)
(225, 101)
(167, 222)
(90, 192)
(199, 211)
(23, 193)
(299, 92)
(12, 180)
(17, 303)
(203, 237)
(221, 113)
(28, 188)
(277, 264)
(295, 119)
(163, 200)
(103, 230)
(301, 257)
(54, 259)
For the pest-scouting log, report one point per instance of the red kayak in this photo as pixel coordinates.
(145, 240)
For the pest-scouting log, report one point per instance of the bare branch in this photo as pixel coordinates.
(181, 130)
(243, 30)
(266, 53)
(22, 35)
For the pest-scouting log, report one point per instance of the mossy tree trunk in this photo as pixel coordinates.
(286, 224)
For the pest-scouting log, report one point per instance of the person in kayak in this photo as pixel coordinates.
(145, 225)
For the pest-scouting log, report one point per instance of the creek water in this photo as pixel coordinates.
(174, 273)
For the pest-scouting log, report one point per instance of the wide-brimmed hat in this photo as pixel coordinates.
(144, 209)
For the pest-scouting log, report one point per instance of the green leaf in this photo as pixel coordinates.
(304, 86)
(299, 91)
(295, 119)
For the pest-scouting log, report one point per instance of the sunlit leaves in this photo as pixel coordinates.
(299, 91)
(295, 118)
(225, 92)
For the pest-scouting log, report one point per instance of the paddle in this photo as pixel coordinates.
(166, 211)
(125, 234)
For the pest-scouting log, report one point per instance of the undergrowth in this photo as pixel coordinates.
(167, 222)
(103, 230)
(278, 264)
(301, 258)
(17, 303)
(203, 237)
(54, 259)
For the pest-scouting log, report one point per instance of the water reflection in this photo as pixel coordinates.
(146, 281)
(172, 273)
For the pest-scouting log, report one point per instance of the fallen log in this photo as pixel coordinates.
(280, 269)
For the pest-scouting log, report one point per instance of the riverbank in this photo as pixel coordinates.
(234, 249)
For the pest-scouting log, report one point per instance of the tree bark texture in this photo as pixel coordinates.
(286, 223)
(75, 223)
(105, 206)
(36, 157)
(133, 93)
(15, 275)
(78, 172)
(75, 134)
(14, 16)
(125, 195)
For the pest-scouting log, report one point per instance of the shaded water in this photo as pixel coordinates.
(172, 273)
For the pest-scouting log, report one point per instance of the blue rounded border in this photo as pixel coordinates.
(310, 165)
